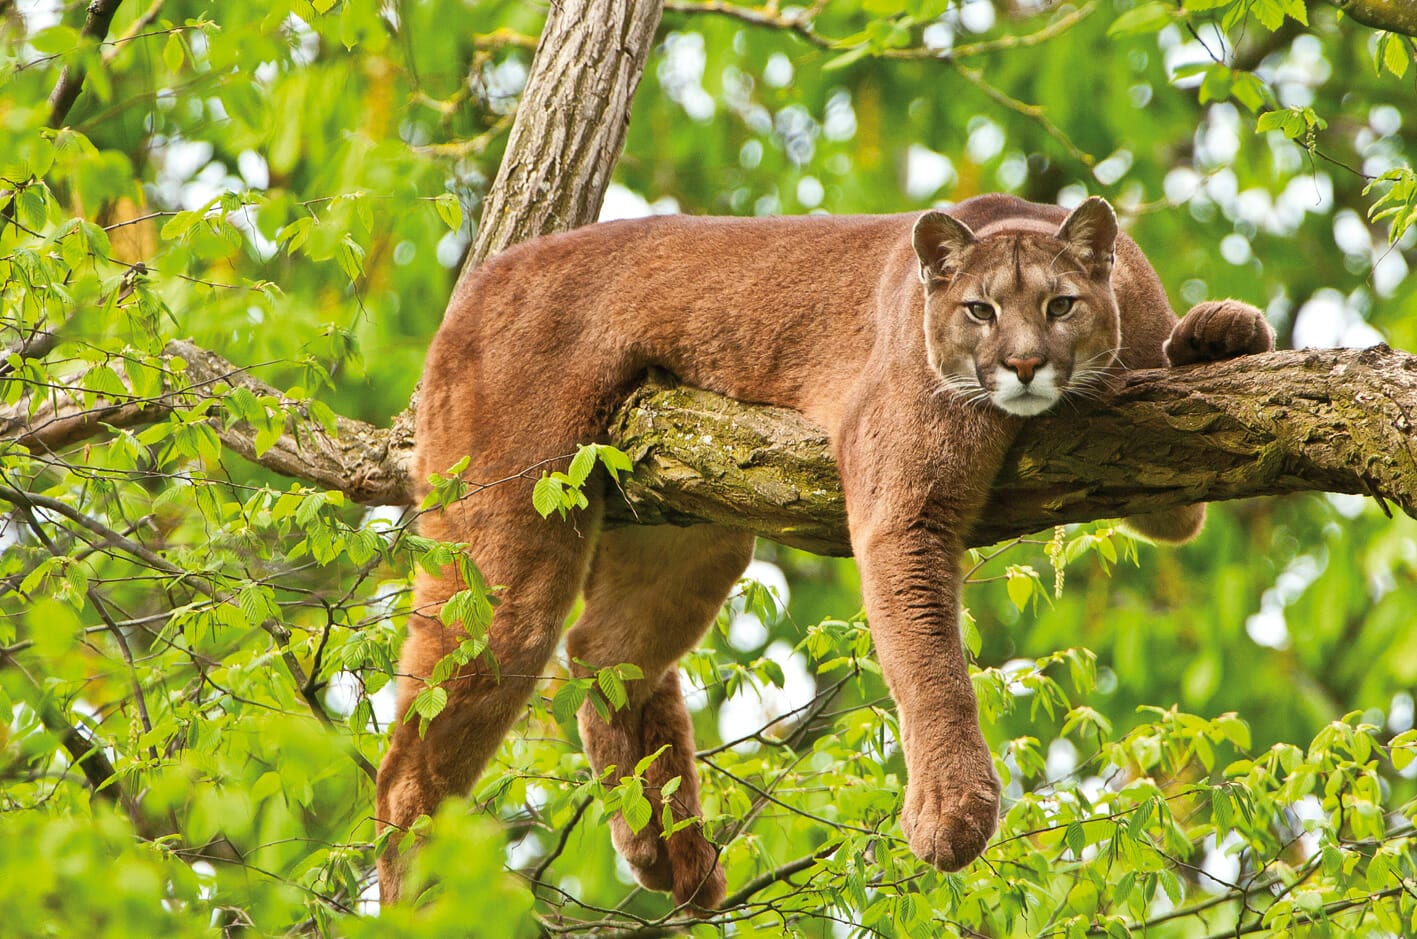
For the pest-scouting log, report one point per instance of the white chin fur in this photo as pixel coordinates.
(1014, 397)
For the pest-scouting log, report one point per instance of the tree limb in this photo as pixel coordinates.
(1310, 420)
(367, 463)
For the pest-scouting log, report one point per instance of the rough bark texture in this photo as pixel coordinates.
(571, 122)
(1311, 420)
(1330, 420)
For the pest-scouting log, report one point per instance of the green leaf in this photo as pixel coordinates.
(1394, 53)
(647, 761)
(581, 465)
(350, 255)
(635, 808)
(324, 416)
(449, 210)
(612, 687)
(1146, 18)
(268, 433)
(614, 460)
(430, 702)
(568, 700)
(1020, 586)
(32, 206)
(105, 382)
(546, 496)
(35, 577)
(173, 54)
(1075, 838)
(969, 629)
(180, 224)
(55, 40)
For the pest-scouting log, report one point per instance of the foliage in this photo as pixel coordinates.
(196, 654)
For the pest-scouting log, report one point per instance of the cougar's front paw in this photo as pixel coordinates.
(948, 821)
(1217, 330)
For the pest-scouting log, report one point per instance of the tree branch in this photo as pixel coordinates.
(1311, 420)
(71, 80)
(367, 463)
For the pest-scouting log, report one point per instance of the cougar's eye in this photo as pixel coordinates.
(979, 311)
(1060, 307)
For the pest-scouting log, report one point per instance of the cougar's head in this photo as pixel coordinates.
(1020, 318)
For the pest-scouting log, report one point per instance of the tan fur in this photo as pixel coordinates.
(825, 315)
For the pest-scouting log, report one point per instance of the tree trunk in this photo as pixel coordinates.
(571, 122)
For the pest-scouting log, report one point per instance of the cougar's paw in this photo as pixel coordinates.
(698, 878)
(949, 821)
(645, 852)
(685, 865)
(1217, 330)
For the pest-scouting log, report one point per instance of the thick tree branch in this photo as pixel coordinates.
(1331, 420)
(1313, 420)
(367, 463)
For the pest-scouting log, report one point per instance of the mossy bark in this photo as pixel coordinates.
(1332, 420)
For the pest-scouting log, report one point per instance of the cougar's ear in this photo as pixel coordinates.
(940, 242)
(1091, 232)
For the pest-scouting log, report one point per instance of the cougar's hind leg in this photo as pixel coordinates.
(541, 563)
(650, 596)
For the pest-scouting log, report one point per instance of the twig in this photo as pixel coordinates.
(1032, 111)
(540, 870)
(1004, 43)
(798, 23)
(144, 20)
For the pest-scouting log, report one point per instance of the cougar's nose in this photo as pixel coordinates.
(1024, 365)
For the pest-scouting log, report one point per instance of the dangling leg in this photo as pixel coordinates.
(542, 564)
(651, 594)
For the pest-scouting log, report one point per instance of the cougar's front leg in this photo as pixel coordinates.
(1210, 332)
(910, 578)
(910, 501)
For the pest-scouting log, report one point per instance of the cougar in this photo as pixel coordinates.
(920, 342)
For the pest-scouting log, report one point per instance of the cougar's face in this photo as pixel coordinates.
(1020, 320)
